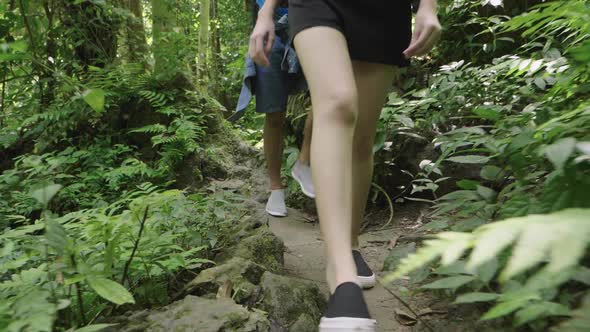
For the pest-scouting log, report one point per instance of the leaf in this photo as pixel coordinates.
(505, 308)
(476, 297)
(531, 249)
(94, 327)
(469, 159)
(467, 184)
(44, 195)
(559, 152)
(426, 254)
(405, 318)
(56, 236)
(75, 279)
(582, 275)
(487, 270)
(110, 290)
(540, 310)
(396, 255)
(436, 225)
(459, 243)
(563, 236)
(95, 99)
(450, 282)
(487, 113)
(490, 240)
(455, 268)
(491, 173)
(540, 83)
(580, 318)
(379, 141)
(486, 193)
(572, 232)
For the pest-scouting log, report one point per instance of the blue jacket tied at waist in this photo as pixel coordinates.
(289, 64)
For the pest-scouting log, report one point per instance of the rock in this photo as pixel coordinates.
(198, 315)
(230, 184)
(243, 275)
(262, 247)
(304, 323)
(241, 172)
(292, 304)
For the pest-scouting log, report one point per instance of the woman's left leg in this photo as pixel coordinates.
(373, 82)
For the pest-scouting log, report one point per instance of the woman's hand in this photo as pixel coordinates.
(427, 31)
(262, 39)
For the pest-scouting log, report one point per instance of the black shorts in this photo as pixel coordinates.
(376, 31)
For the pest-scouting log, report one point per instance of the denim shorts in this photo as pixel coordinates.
(273, 85)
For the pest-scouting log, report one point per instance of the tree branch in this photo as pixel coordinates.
(135, 246)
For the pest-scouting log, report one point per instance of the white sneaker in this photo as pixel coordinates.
(302, 174)
(276, 203)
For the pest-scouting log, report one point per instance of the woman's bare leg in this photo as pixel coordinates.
(373, 82)
(333, 89)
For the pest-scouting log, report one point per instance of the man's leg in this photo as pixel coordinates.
(273, 147)
(304, 155)
(273, 151)
(302, 169)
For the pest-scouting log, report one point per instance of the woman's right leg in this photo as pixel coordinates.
(331, 80)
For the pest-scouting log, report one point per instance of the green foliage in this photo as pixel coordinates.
(558, 241)
(113, 253)
(511, 131)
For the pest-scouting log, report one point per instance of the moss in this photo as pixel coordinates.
(292, 302)
(304, 323)
(263, 248)
(234, 320)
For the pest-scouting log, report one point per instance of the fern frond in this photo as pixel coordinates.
(561, 238)
(580, 318)
(151, 129)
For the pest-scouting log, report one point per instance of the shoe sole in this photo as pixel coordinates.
(367, 282)
(347, 324)
(276, 214)
(305, 192)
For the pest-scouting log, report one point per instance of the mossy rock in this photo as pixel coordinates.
(243, 276)
(304, 323)
(195, 314)
(292, 304)
(262, 247)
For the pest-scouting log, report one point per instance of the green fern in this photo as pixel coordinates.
(558, 240)
(155, 99)
(561, 238)
(580, 320)
(157, 128)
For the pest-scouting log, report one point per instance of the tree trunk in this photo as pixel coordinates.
(165, 55)
(203, 43)
(136, 41)
(51, 50)
(93, 32)
(216, 65)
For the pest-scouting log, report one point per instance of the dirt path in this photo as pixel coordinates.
(304, 259)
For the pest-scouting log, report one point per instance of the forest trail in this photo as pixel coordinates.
(304, 259)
